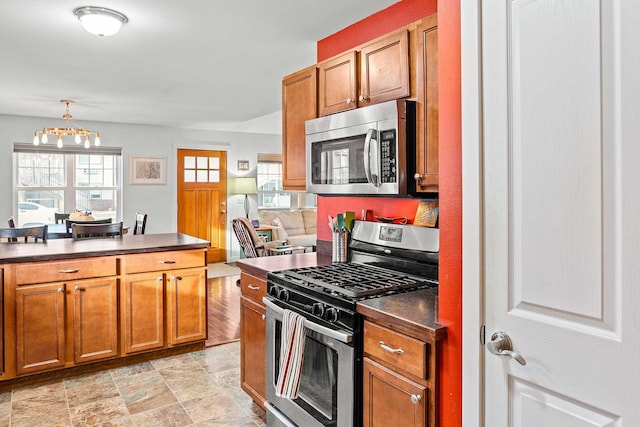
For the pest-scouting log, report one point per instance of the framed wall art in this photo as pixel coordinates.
(243, 165)
(148, 170)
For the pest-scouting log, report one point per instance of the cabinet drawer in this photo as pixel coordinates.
(58, 271)
(252, 287)
(396, 350)
(157, 261)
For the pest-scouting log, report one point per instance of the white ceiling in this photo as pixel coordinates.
(193, 63)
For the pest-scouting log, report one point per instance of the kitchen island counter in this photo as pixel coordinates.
(78, 306)
(56, 249)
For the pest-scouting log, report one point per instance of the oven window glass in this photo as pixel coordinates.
(338, 161)
(318, 390)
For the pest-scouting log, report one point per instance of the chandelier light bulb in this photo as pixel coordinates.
(36, 140)
(59, 144)
(78, 139)
(96, 141)
(45, 138)
(100, 20)
(87, 144)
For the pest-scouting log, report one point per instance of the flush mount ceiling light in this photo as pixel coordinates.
(42, 136)
(100, 20)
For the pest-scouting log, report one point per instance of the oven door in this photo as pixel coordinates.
(326, 393)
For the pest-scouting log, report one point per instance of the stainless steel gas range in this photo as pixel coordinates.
(385, 259)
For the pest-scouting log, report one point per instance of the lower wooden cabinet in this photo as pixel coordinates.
(391, 399)
(253, 350)
(253, 328)
(42, 337)
(175, 298)
(186, 306)
(142, 298)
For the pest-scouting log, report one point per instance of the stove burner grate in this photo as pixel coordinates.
(353, 280)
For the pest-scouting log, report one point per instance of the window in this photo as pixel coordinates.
(270, 192)
(48, 180)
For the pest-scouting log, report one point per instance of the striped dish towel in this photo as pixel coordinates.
(291, 354)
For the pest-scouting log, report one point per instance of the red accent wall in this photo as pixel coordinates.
(450, 200)
(389, 19)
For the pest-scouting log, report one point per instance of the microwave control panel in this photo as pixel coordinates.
(388, 156)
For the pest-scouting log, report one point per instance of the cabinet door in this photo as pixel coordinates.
(390, 399)
(337, 84)
(95, 319)
(253, 350)
(40, 327)
(186, 306)
(143, 312)
(299, 103)
(384, 69)
(427, 162)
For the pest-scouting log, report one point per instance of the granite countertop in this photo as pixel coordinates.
(414, 313)
(55, 249)
(259, 267)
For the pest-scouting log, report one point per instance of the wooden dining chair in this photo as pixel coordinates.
(141, 223)
(69, 222)
(36, 234)
(81, 231)
(61, 217)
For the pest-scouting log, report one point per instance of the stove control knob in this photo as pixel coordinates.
(317, 309)
(331, 315)
(273, 291)
(283, 295)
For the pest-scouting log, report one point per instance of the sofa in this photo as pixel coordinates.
(295, 227)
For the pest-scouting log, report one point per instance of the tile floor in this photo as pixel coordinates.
(200, 388)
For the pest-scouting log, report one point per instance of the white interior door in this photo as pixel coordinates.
(561, 211)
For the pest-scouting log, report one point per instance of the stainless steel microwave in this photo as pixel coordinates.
(365, 151)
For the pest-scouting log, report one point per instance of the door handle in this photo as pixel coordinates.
(501, 345)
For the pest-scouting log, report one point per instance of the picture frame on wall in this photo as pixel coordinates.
(148, 170)
(243, 165)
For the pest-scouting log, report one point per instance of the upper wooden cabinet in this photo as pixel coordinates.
(375, 72)
(299, 104)
(427, 163)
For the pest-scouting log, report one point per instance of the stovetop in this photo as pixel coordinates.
(386, 259)
(352, 280)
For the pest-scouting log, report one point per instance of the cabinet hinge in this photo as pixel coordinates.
(483, 338)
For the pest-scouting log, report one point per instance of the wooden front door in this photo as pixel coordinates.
(560, 220)
(202, 198)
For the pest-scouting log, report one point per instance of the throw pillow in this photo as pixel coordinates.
(282, 233)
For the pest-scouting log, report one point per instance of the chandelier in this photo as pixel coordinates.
(42, 136)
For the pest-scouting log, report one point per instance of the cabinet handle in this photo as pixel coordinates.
(264, 317)
(61, 290)
(363, 98)
(350, 101)
(78, 288)
(254, 288)
(417, 177)
(159, 279)
(72, 270)
(176, 277)
(170, 261)
(391, 350)
(222, 212)
(416, 398)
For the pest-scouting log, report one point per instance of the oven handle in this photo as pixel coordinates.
(337, 335)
